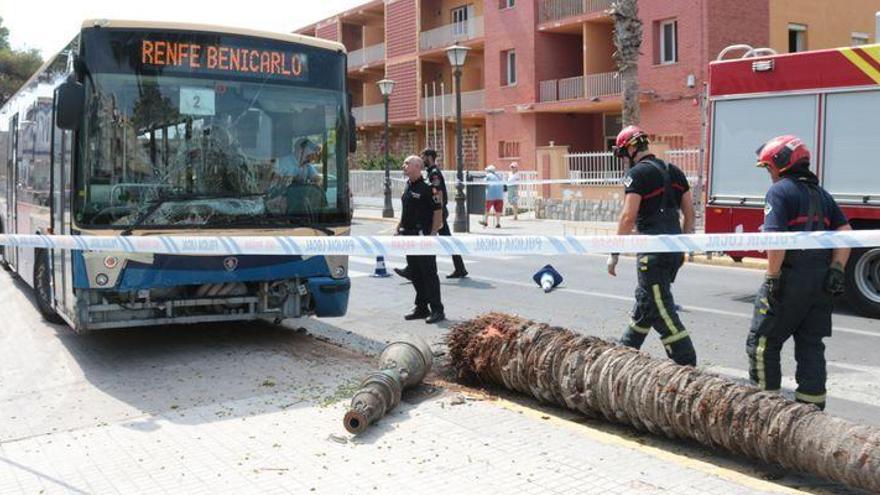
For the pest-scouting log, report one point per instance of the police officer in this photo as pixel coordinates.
(795, 299)
(657, 194)
(421, 214)
(438, 183)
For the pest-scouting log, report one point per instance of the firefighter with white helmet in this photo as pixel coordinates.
(657, 202)
(795, 299)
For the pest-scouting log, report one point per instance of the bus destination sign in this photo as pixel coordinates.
(220, 58)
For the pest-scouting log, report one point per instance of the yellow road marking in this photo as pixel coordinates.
(656, 452)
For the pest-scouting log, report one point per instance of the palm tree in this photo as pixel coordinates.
(627, 42)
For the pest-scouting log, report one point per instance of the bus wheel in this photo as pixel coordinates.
(863, 281)
(43, 287)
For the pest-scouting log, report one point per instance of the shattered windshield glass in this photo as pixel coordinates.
(177, 151)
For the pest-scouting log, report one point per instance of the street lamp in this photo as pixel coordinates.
(457, 55)
(386, 86)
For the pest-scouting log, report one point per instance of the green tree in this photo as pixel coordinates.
(16, 66)
(4, 36)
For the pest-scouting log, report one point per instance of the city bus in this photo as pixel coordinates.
(830, 99)
(140, 128)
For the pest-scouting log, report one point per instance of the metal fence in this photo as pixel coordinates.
(555, 10)
(368, 187)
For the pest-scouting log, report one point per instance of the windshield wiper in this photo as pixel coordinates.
(161, 200)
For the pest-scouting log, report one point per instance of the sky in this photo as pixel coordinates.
(30, 26)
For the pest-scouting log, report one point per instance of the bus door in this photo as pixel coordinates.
(11, 253)
(60, 172)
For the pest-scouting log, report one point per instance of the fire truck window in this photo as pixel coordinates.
(741, 126)
(851, 144)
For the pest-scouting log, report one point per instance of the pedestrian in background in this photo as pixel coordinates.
(494, 197)
(513, 189)
(421, 214)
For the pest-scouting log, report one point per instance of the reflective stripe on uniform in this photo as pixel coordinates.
(762, 375)
(812, 399)
(658, 300)
(636, 328)
(674, 338)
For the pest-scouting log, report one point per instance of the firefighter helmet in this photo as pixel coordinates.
(782, 153)
(630, 136)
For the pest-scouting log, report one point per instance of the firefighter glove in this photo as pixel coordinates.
(835, 280)
(774, 289)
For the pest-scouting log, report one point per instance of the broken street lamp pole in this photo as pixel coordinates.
(598, 378)
(402, 364)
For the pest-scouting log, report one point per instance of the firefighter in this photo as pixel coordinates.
(421, 214)
(795, 299)
(657, 194)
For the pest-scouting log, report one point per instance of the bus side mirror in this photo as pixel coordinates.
(352, 126)
(71, 100)
(352, 134)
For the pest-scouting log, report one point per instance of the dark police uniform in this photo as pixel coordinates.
(416, 218)
(800, 306)
(438, 182)
(661, 187)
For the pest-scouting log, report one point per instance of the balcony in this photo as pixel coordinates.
(369, 114)
(556, 10)
(366, 56)
(444, 36)
(444, 105)
(573, 88)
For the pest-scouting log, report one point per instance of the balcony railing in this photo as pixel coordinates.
(573, 88)
(555, 10)
(444, 105)
(603, 84)
(444, 36)
(366, 56)
(369, 114)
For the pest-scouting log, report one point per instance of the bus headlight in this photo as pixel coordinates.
(111, 262)
(339, 272)
(337, 265)
(102, 279)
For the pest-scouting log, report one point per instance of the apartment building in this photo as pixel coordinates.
(542, 71)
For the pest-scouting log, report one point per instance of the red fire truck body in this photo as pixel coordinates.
(829, 98)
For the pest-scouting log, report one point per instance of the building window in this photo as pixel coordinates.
(508, 67)
(668, 42)
(508, 149)
(797, 38)
(506, 4)
(859, 39)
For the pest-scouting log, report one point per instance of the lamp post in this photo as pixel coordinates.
(457, 55)
(386, 86)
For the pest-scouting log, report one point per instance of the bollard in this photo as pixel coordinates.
(402, 364)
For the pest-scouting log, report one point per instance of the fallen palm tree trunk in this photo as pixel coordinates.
(402, 364)
(598, 378)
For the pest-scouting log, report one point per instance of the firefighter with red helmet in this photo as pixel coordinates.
(657, 202)
(795, 299)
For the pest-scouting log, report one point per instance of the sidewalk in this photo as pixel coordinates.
(289, 438)
(527, 224)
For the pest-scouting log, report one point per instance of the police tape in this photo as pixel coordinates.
(540, 182)
(468, 245)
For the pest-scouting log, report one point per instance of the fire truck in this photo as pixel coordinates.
(829, 98)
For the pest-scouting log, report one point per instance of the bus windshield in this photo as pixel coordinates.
(176, 151)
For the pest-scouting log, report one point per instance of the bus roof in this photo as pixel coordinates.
(181, 26)
(791, 72)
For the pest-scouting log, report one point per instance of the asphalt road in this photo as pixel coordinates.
(716, 302)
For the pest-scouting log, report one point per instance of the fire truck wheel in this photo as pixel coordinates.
(43, 287)
(863, 281)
